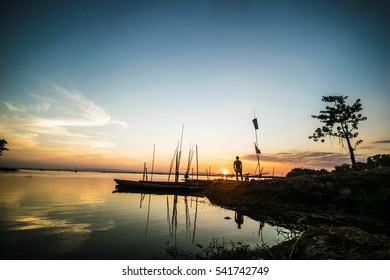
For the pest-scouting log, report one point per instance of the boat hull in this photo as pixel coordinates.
(185, 188)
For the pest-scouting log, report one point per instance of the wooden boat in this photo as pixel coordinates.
(158, 187)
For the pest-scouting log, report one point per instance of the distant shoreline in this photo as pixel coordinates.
(203, 174)
(8, 169)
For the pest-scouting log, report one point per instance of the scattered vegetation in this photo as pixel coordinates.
(221, 249)
(347, 243)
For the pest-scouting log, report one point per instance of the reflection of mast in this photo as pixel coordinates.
(147, 220)
(188, 219)
(141, 200)
(196, 217)
(168, 217)
(173, 220)
(174, 217)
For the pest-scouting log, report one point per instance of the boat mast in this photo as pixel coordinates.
(154, 149)
(190, 156)
(178, 156)
(197, 166)
(145, 174)
(173, 159)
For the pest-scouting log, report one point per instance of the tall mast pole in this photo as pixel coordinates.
(179, 156)
(173, 159)
(197, 166)
(154, 150)
(256, 125)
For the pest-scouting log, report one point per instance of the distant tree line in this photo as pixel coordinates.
(296, 172)
(373, 162)
(378, 161)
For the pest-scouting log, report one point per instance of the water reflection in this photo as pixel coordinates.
(172, 214)
(239, 219)
(58, 226)
(76, 216)
(193, 221)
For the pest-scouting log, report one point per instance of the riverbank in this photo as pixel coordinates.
(351, 206)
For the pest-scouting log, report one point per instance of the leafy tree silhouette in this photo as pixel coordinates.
(2, 146)
(346, 120)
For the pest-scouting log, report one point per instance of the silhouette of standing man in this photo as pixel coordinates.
(238, 167)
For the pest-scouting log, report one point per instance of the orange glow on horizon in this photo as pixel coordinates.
(161, 165)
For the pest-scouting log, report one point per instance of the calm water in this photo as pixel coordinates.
(50, 214)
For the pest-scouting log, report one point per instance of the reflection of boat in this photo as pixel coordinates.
(190, 187)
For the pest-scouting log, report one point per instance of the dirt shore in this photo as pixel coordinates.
(344, 214)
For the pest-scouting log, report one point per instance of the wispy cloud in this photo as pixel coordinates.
(79, 111)
(380, 145)
(61, 119)
(307, 158)
(381, 142)
(14, 108)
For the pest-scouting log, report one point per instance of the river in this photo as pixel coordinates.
(76, 215)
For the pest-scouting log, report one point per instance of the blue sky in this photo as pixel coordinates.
(98, 83)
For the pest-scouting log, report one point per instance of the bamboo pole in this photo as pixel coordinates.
(197, 165)
(154, 149)
(179, 156)
(145, 174)
(173, 159)
(190, 157)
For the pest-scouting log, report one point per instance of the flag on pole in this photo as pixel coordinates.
(255, 123)
(257, 149)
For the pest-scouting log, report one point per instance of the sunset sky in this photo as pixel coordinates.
(95, 84)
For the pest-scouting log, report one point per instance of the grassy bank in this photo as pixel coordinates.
(340, 216)
(352, 199)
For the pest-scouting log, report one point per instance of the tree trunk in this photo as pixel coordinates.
(352, 154)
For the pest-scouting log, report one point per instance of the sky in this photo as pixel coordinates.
(99, 84)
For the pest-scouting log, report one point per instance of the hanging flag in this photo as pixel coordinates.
(257, 149)
(255, 123)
